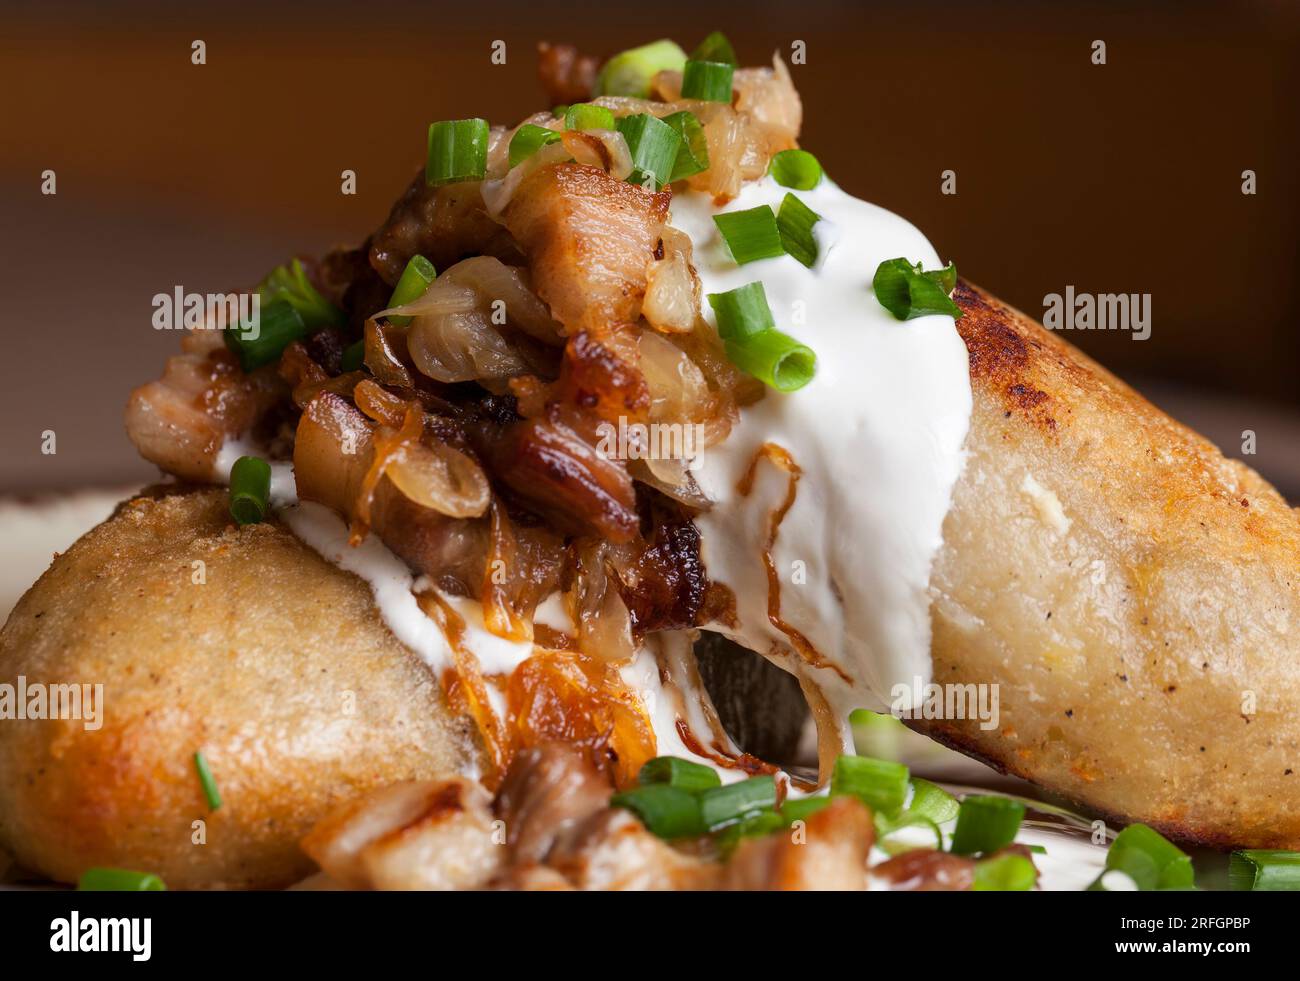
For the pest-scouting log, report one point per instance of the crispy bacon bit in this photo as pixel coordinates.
(829, 853)
(926, 870)
(590, 239)
(566, 74)
(664, 587)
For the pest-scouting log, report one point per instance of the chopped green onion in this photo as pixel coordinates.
(886, 826)
(631, 72)
(457, 151)
(803, 808)
(290, 284)
(907, 291)
(1005, 873)
(680, 773)
(756, 825)
(200, 762)
(653, 145)
(708, 81)
(1149, 859)
(119, 880)
(584, 115)
(795, 223)
(796, 168)
(776, 359)
(354, 356)
(1263, 870)
(932, 801)
(667, 811)
(693, 154)
(559, 111)
(415, 279)
(275, 327)
(715, 47)
(528, 139)
(750, 235)
(742, 312)
(1038, 849)
(986, 823)
(880, 784)
(726, 805)
(250, 494)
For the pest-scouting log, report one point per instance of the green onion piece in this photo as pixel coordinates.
(200, 762)
(750, 235)
(653, 145)
(986, 823)
(932, 801)
(528, 139)
(880, 784)
(250, 494)
(907, 291)
(1149, 859)
(1263, 870)
(584, 115)
(776, 359)
(354, 356)
(1038, 849)
(742, 312)
(667, 811)
(1005, 873)
(722, 806)
(796, 168)
(276, 327)
(715, 47)
(886, 826)
(119, 880)
(693, 154)
(756, 825)
(559, 111)
(708, 81)
(803, 808)
(290, 284)
(680, 773)
(795, 223)
(415, 279)
(631, 72)
(457, 151)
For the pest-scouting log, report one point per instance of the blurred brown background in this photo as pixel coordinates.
(1117, 178)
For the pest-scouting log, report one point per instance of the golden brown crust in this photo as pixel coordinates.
(1135, 595)
(276, 666)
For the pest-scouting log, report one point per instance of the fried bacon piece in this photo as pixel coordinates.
(549, 790)
(566, 74)
(927, 870)
(829, 853)
(589, 239)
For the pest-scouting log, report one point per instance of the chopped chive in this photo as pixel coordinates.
(250, 489)
(558, 111)
(798, 169)
(668, 812)
(742, 312)
(1149, 859)
(277, 325)
(715, 47)
(354, 356)
(205, 772)
(653, 145)
(803, 808)
(415, 279)
(932, 801)
(750, 235)
(1263, 870)
(907, 291)
(1004, 873)
(986, 823)
(680, 773)
(119, 880)
(528, 139)
(1038, 849)
(795, 223)
(756, 825)
(457, 151)
(290, 284)
(880, 784)
(693, 154)
(722, 806)
(584, 115)
(776, 359)
(886, 826)
(632, 72)
(708, 81)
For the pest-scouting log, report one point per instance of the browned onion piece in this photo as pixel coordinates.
(672, 296)
(386, 353)
(769, 96)
(603, 148)
(604, 623)
(441, 478)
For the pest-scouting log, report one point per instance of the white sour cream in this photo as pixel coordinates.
(878, 436)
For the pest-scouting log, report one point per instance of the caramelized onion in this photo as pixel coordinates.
(672, 296)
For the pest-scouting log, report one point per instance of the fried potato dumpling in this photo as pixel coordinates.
(240, 643)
